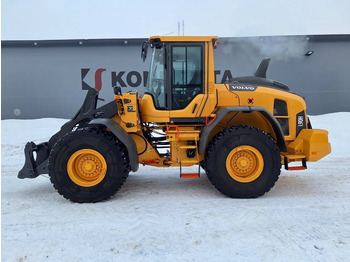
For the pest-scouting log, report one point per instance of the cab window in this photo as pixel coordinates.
(186, 74)
(155, 84)
(280, 111)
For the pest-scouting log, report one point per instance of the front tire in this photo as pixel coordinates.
(243, 162)
(88, 165)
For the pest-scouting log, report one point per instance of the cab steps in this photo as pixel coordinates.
(287, 159)
(189, 175)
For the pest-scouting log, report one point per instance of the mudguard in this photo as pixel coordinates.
(223, 111)
(124, 137)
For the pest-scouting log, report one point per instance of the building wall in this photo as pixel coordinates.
(44, 78)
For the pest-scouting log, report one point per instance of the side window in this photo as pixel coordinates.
(187, 75)
(280, 112)
(156, 78)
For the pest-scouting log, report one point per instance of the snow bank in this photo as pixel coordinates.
(159, 217)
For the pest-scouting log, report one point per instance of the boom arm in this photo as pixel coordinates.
(33, 167)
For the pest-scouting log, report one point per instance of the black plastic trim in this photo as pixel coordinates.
(199, 120)
(260, 81)
(261, 71)
(300, 122)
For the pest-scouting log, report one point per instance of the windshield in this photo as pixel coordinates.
(155, 84)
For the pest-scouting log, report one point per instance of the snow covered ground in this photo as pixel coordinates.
(159, 217)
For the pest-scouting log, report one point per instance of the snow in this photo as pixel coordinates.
(157, 216)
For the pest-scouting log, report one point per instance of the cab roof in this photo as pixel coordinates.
(184, 38)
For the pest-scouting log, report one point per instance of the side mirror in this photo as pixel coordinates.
(144, 50)
(117, 90)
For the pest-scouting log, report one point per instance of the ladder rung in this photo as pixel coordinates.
(296, 168)
(190, 175)
(189, 161)
(184, 131)
(287, 167)
(188, 147)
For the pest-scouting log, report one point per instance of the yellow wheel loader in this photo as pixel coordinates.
(240, 132)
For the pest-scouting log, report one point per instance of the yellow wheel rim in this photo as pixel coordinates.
(244, 164)
(86, 167)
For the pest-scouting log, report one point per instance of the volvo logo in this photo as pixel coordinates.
(242, 88)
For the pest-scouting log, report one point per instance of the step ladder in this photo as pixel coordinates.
(294, 158)
(174, 133)
(189, 175)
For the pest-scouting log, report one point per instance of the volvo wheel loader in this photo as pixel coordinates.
(240, 132)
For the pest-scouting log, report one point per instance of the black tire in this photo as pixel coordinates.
(221, 153)
(110, 151)
(202, 165)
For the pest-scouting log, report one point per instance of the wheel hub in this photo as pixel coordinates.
(86, 167)
(244, 164)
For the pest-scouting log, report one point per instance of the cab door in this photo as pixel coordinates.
(186, 84)
(178, 88)
(154, 103)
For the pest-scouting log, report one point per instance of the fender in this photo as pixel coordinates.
(223, 111)
(124, 137)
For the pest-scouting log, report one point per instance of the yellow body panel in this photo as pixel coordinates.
(128, 111)
(261, 97)
(264, 97)
(313, 143)
(193, 109)
(150, 113)
(179, 137)
(147, 154)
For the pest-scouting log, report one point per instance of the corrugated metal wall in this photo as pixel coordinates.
(44, 78)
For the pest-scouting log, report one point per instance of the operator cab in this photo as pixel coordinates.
(176, 74)
(180, 85)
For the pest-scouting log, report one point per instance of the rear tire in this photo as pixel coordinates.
(88, 165)
(243, 162)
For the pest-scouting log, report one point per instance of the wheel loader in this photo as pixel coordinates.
(240, 132)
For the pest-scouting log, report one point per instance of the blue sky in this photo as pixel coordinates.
(86, 19)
